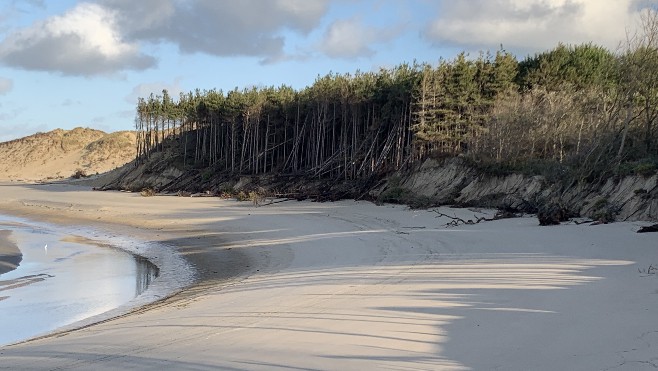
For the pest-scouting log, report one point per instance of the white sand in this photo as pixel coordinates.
(351, 285)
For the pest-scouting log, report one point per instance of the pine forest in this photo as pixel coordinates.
(579, 109)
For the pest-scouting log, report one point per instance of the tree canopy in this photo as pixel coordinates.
(581, 106)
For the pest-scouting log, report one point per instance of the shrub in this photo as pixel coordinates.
(256, 198)
(206, 175)
(147, 192)
(607, 213)
(395, 194)
(399, 195)
(600, 203)
(604, 211)
(242, 196)
(645, 169)
(553, 214)
(605, 216)
(79, 173)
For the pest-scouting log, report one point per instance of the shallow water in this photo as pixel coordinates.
(63, 279)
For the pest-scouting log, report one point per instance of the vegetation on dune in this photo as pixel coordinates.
(57, 154)
(581, 113)
(79, 174)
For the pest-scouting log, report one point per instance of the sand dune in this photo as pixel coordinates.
(59, 153)
(351, 285)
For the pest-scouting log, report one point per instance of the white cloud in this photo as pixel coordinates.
(5, 85)
(134, 16)
(218, 27)
(105, 36)
(350, 38)
(534, 25)
(305, 13)
(83, 41)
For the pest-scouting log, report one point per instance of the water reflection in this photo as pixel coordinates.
(145, 273)
(73, 279)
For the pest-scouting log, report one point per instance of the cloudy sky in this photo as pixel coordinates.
(68, 63)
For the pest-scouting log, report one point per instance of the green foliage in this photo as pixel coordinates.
(580, 66)
(643, 167)
(454, 100)
(206, 175)
(553, 171)
(395, 194)
(400, 195)
(573, 112)
(604, 211)
(607, 213)
(600, 203)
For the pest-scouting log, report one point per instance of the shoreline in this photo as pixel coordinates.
(68, 282)
(10, 254)
(352, 285)
(172, 274)
(206, 271)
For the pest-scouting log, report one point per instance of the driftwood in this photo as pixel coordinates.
(650, 228)
(456, 221)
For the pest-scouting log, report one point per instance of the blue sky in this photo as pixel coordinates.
(68, 63)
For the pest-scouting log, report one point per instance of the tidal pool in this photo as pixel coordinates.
(64, 278)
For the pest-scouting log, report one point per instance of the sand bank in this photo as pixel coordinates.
(351, 285)
(10, 255)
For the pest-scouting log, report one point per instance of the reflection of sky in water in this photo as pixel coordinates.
(63, 284)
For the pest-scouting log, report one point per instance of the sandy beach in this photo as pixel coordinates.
(352, 285)
(10, 255)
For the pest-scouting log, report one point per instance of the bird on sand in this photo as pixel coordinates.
(46, 248)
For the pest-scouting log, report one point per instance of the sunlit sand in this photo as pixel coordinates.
(352, 285)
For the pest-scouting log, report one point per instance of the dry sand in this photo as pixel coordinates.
(60, 153)
(351, 285)
(10, 255)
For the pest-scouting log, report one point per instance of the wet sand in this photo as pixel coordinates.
(351, 285)
(63, 279)
(10, 255)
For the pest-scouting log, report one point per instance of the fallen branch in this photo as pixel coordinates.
(651, 270)
(456, 221)
(651, 228)
(586, 221)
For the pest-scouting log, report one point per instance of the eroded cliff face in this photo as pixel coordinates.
(447, 182)
(156, 173)
(454, 182)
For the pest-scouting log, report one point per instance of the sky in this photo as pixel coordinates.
(70, 63)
